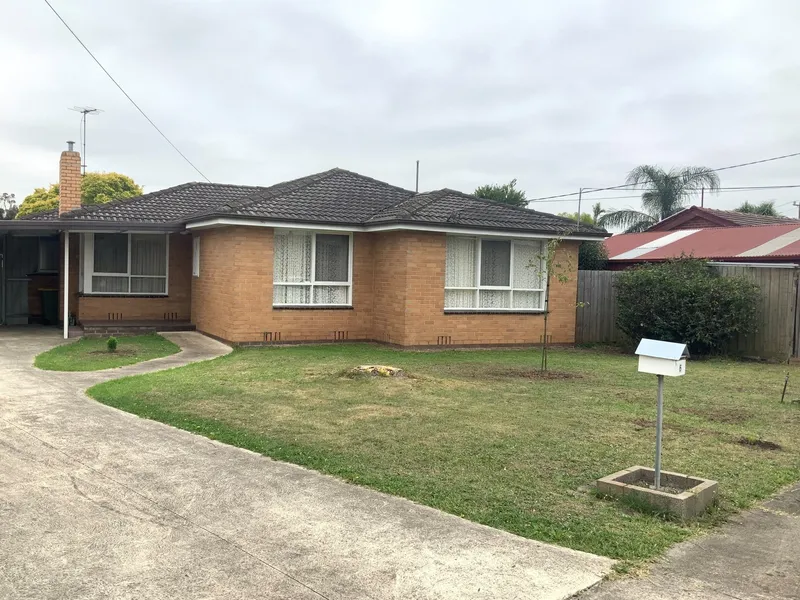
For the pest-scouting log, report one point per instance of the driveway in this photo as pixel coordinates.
(98, 503)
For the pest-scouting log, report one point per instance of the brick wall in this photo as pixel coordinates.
(233, 295)
(98, 308)
(69, 181)
(398, 295)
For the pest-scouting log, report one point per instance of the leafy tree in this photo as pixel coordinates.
(96, 188)
(684, 300)
(766, 208)
(592, 256)
(506, 193)
(586, 218)
(8, 206)
(666, 192)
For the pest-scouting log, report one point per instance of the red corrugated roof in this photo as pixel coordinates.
(711, 243)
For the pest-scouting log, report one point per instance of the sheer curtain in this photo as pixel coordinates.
(332, 264)
(110, 256)
(292, 265)
(528, 275)
(148, 264)
(460, 271)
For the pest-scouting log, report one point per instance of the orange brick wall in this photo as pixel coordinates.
(233, 295)
(97, 308)
(398, 295)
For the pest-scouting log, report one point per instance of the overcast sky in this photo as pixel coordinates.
(557, 94)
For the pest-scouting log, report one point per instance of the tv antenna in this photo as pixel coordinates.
(84, 110)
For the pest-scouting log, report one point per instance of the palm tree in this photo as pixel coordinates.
(665, 193)
(766, 208)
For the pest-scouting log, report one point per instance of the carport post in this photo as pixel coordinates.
(66, 285)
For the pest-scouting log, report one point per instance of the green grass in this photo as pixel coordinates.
(91, 354)
(471, 433)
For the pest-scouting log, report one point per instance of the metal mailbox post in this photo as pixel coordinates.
(661, 358)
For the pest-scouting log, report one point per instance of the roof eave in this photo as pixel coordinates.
(86, 225)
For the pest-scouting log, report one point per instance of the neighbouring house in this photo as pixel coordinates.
(717, 235)
(332, 256)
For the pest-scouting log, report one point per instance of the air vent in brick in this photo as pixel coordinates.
(272, 336)
(115, 316)
(444, 340)
(171, 316)
(549, 339)
(340, 336)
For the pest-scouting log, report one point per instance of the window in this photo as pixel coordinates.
(312, 269)
(125, 263)
(493, 274)
(48, 254)
(195, 256)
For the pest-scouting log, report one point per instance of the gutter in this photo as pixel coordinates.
(96, 226)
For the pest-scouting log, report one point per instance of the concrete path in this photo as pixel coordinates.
(98, 503)
(756, 556)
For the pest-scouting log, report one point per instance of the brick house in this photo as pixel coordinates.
(331, 256)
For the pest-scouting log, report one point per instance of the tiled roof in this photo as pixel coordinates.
(717, 243)
(696, 217)
(335, 197)
(748, 219)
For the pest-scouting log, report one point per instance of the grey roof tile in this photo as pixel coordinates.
(336, 196)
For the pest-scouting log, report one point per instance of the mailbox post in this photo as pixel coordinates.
(661, 358)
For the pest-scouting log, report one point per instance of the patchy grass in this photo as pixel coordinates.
(479, 435)
(91, 354)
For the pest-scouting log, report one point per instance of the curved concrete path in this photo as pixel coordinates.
(98, 503)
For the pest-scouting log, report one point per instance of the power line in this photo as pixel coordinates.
(99, 64)
(629, 185)
(725, 189)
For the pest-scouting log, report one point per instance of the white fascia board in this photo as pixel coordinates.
(222, 222)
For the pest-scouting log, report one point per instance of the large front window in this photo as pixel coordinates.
(312, 269)
(494, 274)
(125, 263)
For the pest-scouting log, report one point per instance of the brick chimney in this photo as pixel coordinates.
(69, 180)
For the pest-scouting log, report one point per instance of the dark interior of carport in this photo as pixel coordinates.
(29, 277)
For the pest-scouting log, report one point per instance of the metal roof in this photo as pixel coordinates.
(716, 243)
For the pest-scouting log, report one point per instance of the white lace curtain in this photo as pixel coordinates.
(292, 279)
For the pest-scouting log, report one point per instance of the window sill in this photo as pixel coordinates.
(312, 307)
(118, 295)
(489, 311)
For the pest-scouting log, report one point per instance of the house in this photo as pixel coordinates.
(717, 235)
(696, 217)
(331, 256)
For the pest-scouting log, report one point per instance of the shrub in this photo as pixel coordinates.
(592, 256)
(685, 300)
(111, 343)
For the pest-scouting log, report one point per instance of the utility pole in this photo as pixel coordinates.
(580, 196)
(797, 204)
(84, 110)
(416, 188)
(702, 196)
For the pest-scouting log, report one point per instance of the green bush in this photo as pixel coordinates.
(685, 300)
(592, 256)
(112, 344)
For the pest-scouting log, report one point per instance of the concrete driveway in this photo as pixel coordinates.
(98, 503)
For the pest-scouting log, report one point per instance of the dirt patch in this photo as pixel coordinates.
(115, 353)
(526, 373)
(733, 417)
(640, 424)
(664, 488)
(758, 443)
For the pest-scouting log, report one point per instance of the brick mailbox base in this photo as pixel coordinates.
(696, 496)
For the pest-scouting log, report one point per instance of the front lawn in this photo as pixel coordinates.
(91, 354)
(474, 433)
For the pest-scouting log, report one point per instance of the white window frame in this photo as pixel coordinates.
(87, 248)
(508, 288)
(196, 256)
(313, 282)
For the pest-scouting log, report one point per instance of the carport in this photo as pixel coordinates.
(30, 269)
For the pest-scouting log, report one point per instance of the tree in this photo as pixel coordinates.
(586, 218)
(96, 188)
(592, 256)
(666, 192)
(766, 208)
(8, 206)
(506, 193)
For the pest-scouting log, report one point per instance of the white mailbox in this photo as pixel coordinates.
(662, 358)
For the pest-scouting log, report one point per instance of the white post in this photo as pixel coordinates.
(66, 285)
(659, 426)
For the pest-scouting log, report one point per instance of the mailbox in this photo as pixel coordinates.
(662, 358)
